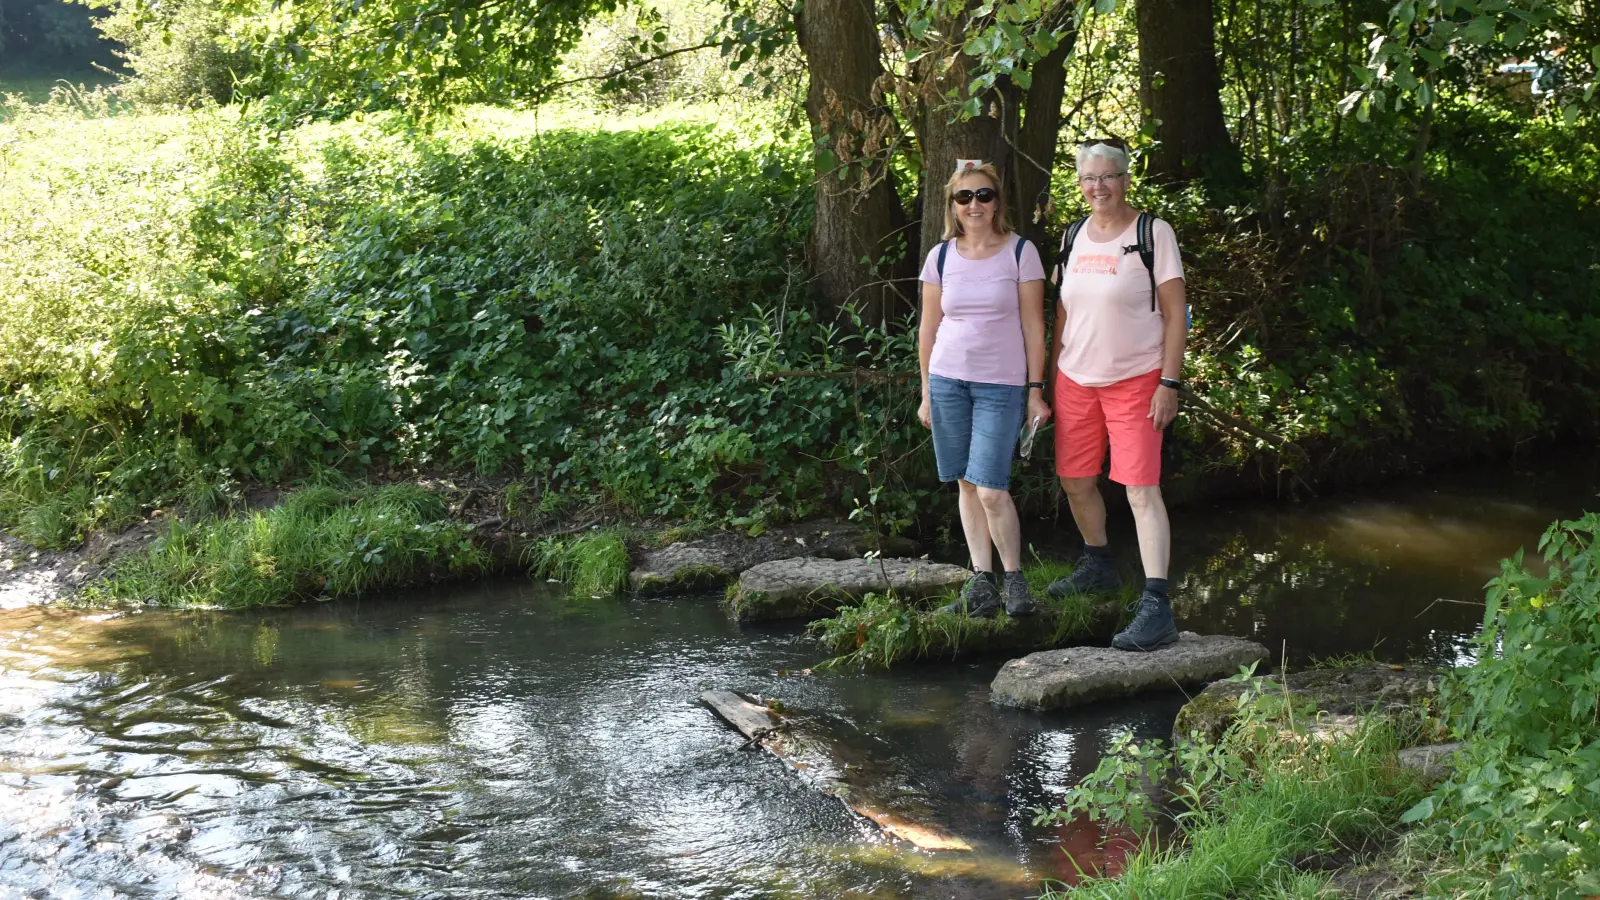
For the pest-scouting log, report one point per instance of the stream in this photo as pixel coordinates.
(505, 740)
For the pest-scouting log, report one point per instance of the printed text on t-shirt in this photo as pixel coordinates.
(1095, 264)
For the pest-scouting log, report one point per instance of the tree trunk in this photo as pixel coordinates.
(944, 141)
(1180, 88)
(1034, 156)
(858, 213)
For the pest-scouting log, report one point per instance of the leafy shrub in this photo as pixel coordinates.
(1524, 801)
(1246, 808)
(180, 54)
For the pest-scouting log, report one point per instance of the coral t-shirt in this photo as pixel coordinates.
(1110, 333)
(980, 336)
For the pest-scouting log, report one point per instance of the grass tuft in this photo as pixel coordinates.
(319, 543)
(591, 565)
(882, 630)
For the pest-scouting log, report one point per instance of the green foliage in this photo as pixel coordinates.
(590, 565)
(1246, 807)
(883, 630)
(321, 542)
(183, 53)
(575, 306)
(1522, 803)
(1431, 43)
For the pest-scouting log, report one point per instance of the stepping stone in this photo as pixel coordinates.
(1055, 679)
(717, 559)
(806, 588)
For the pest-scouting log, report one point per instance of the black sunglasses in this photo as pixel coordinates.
(1118, 143)
(982, 195)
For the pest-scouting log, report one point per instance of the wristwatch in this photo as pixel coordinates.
(1036, 384)
(1173, 383)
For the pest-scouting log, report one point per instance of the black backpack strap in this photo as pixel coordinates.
(1147, 251)
(943, 249)
(1067, 240)
(1021, 242)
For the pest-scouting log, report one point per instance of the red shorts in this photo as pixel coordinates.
(1087, 416)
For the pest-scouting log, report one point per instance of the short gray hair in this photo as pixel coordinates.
(1104, 151)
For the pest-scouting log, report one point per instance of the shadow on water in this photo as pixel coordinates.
(505, 741)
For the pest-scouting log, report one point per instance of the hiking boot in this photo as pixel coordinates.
(1019, 599)
(1093, 575)
(979, 598)
(1152, 628)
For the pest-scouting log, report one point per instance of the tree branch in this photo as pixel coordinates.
(614, 73)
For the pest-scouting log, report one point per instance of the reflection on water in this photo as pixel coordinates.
(504, 741)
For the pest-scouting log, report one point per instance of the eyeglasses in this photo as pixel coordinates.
(1097, 180)
(982, 195)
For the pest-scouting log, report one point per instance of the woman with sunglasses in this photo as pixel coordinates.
(982, 352)
(1119, 356)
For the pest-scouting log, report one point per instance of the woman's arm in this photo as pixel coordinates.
(1031, 296)
(932, 315)
(1174, 332)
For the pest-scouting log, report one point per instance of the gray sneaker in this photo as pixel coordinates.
(1151, 629)
(1093, 575)
(979, 598)
(1019, 599)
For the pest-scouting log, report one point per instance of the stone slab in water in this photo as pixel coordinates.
(1054, 679)
(804, 588)
(717, 559)
(1352, 691)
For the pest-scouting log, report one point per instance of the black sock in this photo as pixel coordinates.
(1103, 551)
(987, 574)
(1157, 586)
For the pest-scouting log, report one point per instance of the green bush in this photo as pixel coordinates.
(1523, 805)
(179, 54)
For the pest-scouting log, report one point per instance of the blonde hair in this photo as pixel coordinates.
(952, 222)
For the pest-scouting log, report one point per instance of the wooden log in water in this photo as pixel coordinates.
(814, 759)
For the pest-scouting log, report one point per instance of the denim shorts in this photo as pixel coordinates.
(975, 427)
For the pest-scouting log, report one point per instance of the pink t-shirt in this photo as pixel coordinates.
(1111, 334)
(980, 336)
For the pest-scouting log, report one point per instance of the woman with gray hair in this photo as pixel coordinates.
(1119, 340)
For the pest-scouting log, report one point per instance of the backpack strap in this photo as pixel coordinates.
(944, 248)
(1067, 240)
(1147, 251)
(1021, 242)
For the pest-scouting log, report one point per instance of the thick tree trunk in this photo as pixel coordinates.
(1016, 130)
(858, 215)
(1180, 88)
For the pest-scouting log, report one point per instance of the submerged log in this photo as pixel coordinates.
(816, 760)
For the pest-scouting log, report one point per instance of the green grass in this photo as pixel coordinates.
(882, 631)
(321, 542)
(590, 565)
(1255, 804)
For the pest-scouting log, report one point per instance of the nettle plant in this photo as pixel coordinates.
(1525, 797)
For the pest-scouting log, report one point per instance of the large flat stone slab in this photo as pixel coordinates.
(805, 588)
(1352, 691)
(1055, 679)
(717, 559)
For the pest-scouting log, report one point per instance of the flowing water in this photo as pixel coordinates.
(508, 741)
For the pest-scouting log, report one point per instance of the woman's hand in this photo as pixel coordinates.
(1038, 408)
(925, 413)
(1163, 407)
